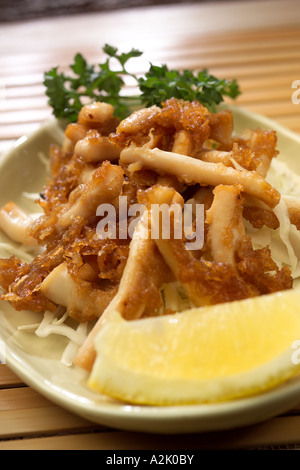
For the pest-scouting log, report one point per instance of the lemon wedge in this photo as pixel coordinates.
(200, 355)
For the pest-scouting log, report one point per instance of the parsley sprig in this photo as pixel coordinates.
(68, 92)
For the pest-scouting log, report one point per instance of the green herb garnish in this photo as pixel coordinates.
(67, 93)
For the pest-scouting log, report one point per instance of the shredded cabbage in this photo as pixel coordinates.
(283, 179)
(175, 298)
(284, 242)
(55, 323)
(25, 253)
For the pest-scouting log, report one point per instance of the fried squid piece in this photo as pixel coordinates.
(260, 215)
(68, 232)
(136, 127)
(84, 301)
(216, 156)
(145, 272)
(251, 150)
(262, 144)
(205, 282)
(237, 157)
(230, 245)
(79, 271)
(208, 282)
(94, 124)
(192, 170)
(223, 279)
(180, 126)
(95, 147)
(259, 270)
(25, 279)
(226, 227)
(103, 187)
(98, 115)
(221, 128)
(15, 223)
(182, 143)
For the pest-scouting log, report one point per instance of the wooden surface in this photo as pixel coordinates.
(228, 39)
(30, 421)
(256, 42)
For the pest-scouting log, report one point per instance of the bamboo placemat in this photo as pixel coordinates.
(30, 421)
(264, 58)
(265, 61)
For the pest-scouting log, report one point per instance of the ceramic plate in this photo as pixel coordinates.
(37, 360)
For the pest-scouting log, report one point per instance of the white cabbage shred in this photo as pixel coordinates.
(55, 323)
(284, 242)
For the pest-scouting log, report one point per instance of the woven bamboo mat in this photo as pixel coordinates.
(260, 47)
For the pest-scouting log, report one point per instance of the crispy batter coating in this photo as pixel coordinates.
(258, 269)
(227, 275)
(180, 152)
(22, 290)
(262, 144)
(164, 123)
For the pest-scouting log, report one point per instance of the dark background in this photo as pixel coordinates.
(16, 10)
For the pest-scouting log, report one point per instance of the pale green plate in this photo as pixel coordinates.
(37, 361)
